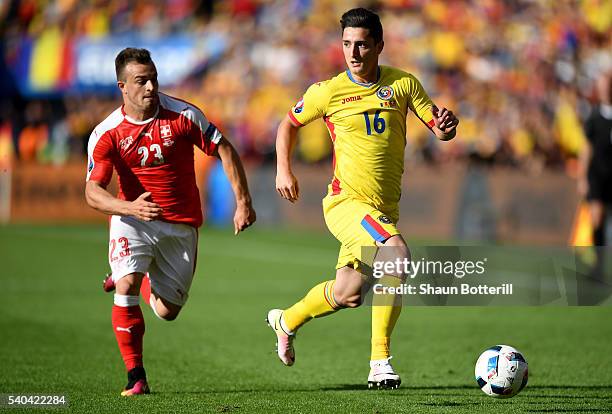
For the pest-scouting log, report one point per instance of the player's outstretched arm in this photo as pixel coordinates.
(98, 198)
(445, 122)
(286, 183)
(245, 214)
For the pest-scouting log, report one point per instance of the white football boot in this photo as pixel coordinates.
(284, 340)
(382, 375)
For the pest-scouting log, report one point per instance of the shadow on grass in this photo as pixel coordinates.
(570, 397)
(402, 390)
(572, 387)
(349, 387)
(570, 410)
(356, 387)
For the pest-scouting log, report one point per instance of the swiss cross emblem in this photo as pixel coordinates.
(165, 131)
(126, 142)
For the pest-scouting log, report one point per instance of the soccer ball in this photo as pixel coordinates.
(501, 371)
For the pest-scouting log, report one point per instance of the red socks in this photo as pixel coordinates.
(129, 328)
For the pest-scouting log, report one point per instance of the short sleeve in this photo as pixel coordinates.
(419, 102)
(313, 104)
(200, 131)
(100, 158)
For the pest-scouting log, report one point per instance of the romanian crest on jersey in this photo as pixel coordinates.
(299, 107)
(385, 93)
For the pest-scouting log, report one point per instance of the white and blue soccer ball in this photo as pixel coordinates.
(501, 371)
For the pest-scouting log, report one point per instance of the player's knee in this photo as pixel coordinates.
(353, 302)
(394, 250)
(398, 245)
(170, 317)
(401, 252)
(165, 313)
(128, 285)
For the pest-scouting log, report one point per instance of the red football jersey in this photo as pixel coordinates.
(154, 155)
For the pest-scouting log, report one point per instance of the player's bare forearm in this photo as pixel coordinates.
(286, 138)
(99, 199)
(234, 171)
(245, 214)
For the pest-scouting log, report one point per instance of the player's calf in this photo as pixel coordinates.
(129, 328)
(348, 299)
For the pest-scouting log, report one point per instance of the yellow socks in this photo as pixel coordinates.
(319, 301)
(386, 310)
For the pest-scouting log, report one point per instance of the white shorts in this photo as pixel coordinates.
(167, 251)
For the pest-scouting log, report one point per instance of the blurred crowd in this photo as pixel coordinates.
(519, 74)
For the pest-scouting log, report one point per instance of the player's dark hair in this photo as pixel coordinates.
(131, 54)
(364, 18)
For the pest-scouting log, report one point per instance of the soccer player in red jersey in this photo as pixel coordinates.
(150, 142)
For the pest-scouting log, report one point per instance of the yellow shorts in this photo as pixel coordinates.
(356, 224)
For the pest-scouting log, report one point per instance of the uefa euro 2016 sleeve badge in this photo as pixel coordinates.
(299, 107)
(385, 93)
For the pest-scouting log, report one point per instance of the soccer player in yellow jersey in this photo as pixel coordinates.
(365, 111)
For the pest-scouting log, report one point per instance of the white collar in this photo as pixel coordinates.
(146, 121)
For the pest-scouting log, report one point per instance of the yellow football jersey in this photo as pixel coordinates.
(367, 125)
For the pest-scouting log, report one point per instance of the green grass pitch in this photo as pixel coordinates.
(56, 336)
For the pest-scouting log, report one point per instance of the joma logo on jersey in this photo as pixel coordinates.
(351, 99)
